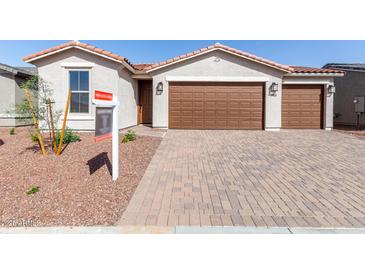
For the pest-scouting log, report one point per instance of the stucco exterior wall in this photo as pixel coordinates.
(104, 75)
(19, 95)
(328, 107)
(220, 66)
(10, 95)
(7, 101)
(347, 87)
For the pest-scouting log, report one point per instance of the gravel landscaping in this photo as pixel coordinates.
(351, 130)
(74, 189)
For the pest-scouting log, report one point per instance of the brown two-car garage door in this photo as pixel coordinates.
(302, 106)
(216, 105)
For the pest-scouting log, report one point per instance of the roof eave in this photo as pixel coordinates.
(8, 69)
(221, 49)
(15, 72)
(352, 69)
(293, 74)
(124, 63)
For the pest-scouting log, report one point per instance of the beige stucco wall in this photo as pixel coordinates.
(7, 99)
(104, 75)
(347, 87)
(19, 95)
(228, 66)
(10, 95)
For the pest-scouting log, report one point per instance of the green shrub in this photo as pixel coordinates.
(129, 136)
(68, 137)
(34, 137)
(12, 131)
(32, 190)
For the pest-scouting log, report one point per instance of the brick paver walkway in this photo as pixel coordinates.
(296, 178)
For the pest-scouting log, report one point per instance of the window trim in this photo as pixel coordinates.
(79, 91)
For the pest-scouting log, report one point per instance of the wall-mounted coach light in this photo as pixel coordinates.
(159, 88)
(331, 89)
(274, 88)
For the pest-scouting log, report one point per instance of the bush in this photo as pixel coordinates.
(68, 137)
(34, 137)
(129, 136)
(32, 190)
(12, 131)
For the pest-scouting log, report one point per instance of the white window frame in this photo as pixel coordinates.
(79, 91)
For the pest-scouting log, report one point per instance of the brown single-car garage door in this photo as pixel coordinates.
(216, 105)
(302, 106)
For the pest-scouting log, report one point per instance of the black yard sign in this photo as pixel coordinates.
(103, 123)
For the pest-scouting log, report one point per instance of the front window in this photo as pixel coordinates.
(79, 86)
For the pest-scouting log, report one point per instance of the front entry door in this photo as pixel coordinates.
(145, 102)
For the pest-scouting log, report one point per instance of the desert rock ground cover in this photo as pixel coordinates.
(75, 188)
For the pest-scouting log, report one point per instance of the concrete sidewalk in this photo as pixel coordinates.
(178, 230)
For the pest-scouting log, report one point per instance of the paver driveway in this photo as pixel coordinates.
(291, 178)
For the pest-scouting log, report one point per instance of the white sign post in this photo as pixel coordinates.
(115, 142)
(106, 99)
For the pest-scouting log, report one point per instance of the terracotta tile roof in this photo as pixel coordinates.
(141, 66)
(220, 46)
(81, 45)
(299, 69)
(146, 67)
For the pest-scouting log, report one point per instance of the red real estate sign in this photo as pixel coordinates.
(103, 95)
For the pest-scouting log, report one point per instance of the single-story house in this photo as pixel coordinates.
(11, 93)
(347, 88)
(217, 87)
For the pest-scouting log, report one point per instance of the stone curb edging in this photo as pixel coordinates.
(178, 230)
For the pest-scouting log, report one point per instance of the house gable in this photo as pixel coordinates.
(219, 64)
(219, 47)
(83, 47)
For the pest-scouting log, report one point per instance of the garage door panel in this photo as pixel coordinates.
(198, 105)
(198, 113)
(256, 105)
(302, 106)
(222, 113)
(235, 113)
(175, 114)
(210, 123)
(209, 104)
(187, 112)
(216, 105)
(221, 104)
(198, 95)
(234, 123)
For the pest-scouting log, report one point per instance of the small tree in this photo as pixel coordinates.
(41, 93)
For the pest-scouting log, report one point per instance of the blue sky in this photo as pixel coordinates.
(306, 53)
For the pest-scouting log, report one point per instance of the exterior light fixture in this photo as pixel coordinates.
(274, 88)
(159, 88)
(331, 89)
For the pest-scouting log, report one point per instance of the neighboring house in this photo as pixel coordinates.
(11, 93)
(217, 87)
(347, 88)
